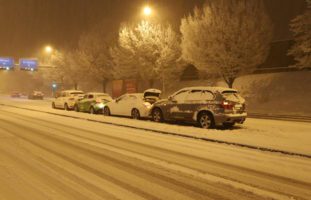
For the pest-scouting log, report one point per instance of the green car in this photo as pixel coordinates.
(92, 103)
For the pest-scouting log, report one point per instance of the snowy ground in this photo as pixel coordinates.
(45, 156)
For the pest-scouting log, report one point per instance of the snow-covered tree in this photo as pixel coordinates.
(93, 55)
(64, 69)
(58, 64)
(301, 27)
(148, 51)
(228, 37)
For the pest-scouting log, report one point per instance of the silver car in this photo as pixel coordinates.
(206, 106)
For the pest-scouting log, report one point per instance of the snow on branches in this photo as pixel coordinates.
(230, 38)
(151, 49)
(301, 28)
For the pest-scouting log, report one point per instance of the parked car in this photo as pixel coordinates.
(206, 106)
(135, 105)
(36, 95)
(92, 103)
(67, 99)
(16, 94)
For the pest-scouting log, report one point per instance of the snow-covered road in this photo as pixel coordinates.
(45, 156)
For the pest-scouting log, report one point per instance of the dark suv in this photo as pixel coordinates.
(206, 106)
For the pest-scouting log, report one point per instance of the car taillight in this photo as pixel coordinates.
(227, 105)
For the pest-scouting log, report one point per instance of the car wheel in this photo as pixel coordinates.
(135, 114)
(206, 120)
(106, 111)
(53, 105)
(76, 107)
(66, 107)
(92, 110)
(228, 124)
(157, 115)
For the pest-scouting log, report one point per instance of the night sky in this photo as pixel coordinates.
(28, 25)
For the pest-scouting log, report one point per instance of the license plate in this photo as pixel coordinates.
(238, 106)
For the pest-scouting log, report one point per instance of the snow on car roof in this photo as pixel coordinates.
(73, 91)
(98, 93)
(135, 94)
(213, 89)
(152, 90)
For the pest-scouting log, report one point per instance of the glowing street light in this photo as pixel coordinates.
(147, 11)
(48, 49)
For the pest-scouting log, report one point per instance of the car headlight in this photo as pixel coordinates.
(100, 105)
(147, 104)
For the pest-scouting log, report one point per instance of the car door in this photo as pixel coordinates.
(194, 100)
(88, 101)
(175, 103)
(59, 101)
(115, 106)
(133, 102)
(124, 106)
(82, 102)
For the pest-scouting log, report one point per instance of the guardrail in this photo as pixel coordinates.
(298, 118)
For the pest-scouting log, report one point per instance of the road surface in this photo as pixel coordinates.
(43, 156)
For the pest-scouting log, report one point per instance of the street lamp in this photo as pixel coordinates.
(48, 49)
(147, 11)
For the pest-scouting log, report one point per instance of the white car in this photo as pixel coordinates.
(136, 105)
(67, 99)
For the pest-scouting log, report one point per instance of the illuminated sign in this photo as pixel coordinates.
(6, 63)
(28, 64)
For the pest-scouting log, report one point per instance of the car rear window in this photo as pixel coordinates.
(232, 95)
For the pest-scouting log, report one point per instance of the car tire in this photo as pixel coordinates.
(76, 108)
(228, 125)
(206, 120)
(135, 114)
(53, 105)
(92, 110)
(66, 107)
(157, 115)
(106, 111)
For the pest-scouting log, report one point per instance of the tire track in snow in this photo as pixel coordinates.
(67, 133)
(209, 190)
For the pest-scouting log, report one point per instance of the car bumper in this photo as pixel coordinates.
(145, 113)
(71, 104)
(230, 118)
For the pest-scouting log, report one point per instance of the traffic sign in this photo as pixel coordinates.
(28, 64)
(6, 63)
